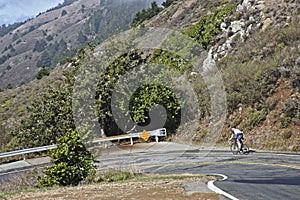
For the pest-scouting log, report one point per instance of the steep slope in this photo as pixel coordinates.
(257, 51)
(51, 36)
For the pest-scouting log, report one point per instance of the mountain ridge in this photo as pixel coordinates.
(57, 33)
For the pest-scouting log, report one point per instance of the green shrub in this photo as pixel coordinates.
(203, 133)
(170, 59)
(285, 122)
(208, 27)
(236, 121)
(292, 108)
(43, 72)
(287, 134)
(72, 162)
(255, 118)
(116, 176)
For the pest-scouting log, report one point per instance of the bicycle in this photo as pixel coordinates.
(234, 147)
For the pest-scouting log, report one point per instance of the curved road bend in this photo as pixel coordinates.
(258, 175)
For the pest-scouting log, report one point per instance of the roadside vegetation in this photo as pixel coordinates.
(126, 184)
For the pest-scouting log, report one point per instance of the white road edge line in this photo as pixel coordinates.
(217, 190)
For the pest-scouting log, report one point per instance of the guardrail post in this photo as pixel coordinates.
(131, 141)
(156, 139)
(24, 157)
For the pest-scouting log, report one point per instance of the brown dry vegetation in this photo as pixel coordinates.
(147, 187)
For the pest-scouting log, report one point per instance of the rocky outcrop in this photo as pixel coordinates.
(252, 16)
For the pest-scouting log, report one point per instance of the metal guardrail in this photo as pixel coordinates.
(156, 133)
(27, 151)
(162, 132)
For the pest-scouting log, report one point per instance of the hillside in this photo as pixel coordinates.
(255, 45)
(50, 37)
(257, 51)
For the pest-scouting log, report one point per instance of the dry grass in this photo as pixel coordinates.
(149, 187)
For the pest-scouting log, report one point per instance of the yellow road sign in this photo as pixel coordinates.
(145, 135)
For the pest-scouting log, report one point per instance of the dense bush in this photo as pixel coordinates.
(208, 26)
(43, 72)
(145, 99)
(72, 162)
(255, 118)
(291, 109)
(287, 134)
(53, 53)
(142, 100)
(63, 13)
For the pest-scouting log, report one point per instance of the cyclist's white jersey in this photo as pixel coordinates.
(236, 131)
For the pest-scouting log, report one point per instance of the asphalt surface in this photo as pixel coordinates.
(257, 175)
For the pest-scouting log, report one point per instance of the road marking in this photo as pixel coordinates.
(217, 190)
(161, 166)
(265, 164)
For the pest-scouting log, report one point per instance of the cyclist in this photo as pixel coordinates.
(239, 136)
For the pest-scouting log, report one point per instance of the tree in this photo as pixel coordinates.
(63, 13)
(81, 38)
(9, 86)
(39, 46)
(72, 162)
(49, 38)
(50, 117)
(167, 3)
(146, 14)
(141, 102)
(43, 72)
(145, 99)
(45, 59)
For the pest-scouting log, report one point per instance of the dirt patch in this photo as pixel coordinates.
(166, 188)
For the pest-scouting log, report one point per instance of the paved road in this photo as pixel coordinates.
(258, 175)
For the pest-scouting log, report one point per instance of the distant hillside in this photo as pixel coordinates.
(49, 38)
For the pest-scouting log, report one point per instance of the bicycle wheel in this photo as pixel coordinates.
(234, 148)
(245, 149)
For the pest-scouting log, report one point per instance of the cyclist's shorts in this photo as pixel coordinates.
(239, 137)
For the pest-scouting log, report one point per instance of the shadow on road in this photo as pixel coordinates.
(280, 181)
(250, 151)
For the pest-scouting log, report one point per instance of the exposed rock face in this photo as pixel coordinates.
(253, 16)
